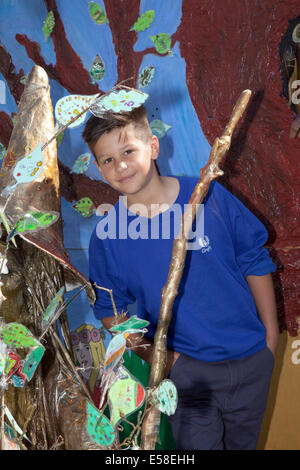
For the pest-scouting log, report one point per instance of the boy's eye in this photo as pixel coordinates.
(127, 152)
(107, 161)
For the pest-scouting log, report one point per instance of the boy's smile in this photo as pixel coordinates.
(124, 160)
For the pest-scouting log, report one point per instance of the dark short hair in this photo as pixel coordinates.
(96, 127)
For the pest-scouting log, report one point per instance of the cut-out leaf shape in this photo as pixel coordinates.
(99, 427)
(52, 307)
(97, 69)
(81, 164)
(97, 13)
(68, 108)
(162, 42)
(146, 76)
(123, 100)
(144, 21)
(159, 128)
(32, 361)
(17, 335)
(27, 169)
(2, 152)
(49, 24)
(296, 33)
(12, 364)
(125, 396)
(133, 323)
(33, 221)
(85, 207)
(167, 397)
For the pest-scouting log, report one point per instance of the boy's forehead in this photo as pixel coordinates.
(117, 137)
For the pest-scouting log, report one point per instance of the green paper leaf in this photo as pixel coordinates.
(162, 42)
(15, 334)
(159, 128)
(49, 24)
(85, 207)
(132, 323)
(97, 13)
(99, 427)
(144, 21)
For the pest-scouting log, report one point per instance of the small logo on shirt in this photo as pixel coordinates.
(204, 244)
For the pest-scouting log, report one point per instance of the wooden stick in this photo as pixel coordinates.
(2, 441)
(169, 291)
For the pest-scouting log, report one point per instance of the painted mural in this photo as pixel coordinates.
(193, 61)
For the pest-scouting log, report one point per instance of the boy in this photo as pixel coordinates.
(223, 333)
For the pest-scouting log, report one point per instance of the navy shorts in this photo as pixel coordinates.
(220, 404)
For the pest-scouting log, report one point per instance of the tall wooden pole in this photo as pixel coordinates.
(169, 291)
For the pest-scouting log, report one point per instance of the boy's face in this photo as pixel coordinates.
(124, 160)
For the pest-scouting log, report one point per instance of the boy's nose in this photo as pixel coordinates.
(121, 166)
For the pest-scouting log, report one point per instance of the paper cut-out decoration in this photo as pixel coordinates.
(3, 351)
(12, 364)
(162, 43)
(48, 25)
(296, 33)
(9, 439)
(81, 164)
(146, 76)
(33, 221)
(97, 69)
(114, 353)
(27, 169)
(85, 207)
(24, 79)
(15, 426)
(59, 138)
(32, 361)
(68, 108)
(2, 152)
(16, 335)
(121, 101)
(167, 397)
(159, 128)
(52, 307)
(133, 323)
(99, 427)
(97, 13)
(144, 21)
(125, 396)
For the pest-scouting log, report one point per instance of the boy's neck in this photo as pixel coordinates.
(161, 190)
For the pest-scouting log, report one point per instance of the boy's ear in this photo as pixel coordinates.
(154, 147)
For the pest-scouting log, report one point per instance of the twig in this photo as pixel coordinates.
(111, 297)
(2, 443)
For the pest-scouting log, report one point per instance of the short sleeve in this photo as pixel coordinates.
(104, 272)
(249, 236)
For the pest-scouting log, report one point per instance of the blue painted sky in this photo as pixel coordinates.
(183, 150)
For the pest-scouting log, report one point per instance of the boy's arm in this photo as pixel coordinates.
(137, 341)
(263, 292)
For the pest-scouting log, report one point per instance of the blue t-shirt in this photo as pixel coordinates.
(214, 316)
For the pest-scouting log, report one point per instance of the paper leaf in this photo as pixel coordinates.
(162, 42)
(159, 128)
(48, 25)
(132, 323)
(33, 221)
(81, 164)
(18, 336)
(52, 307)
(99, 427)
(166, 394)
(97, 13)
(68, 108)
(12, 364)
(32, 361)
(144, 21)
(97, 69)
(146, 76)
(27, 169)
(125, 396)
(85, 207)
(123, 100)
